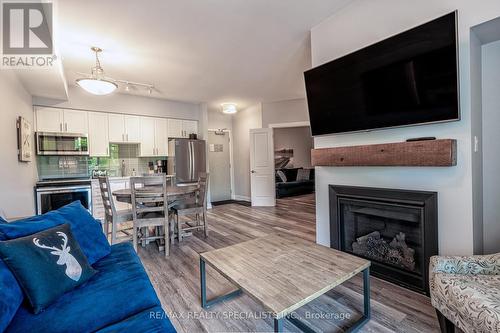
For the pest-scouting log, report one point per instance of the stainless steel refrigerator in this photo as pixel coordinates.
(186, 159)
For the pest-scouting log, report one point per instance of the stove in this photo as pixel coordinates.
(51, 194)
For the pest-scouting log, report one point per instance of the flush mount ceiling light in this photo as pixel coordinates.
(229, 108)
(98, 84)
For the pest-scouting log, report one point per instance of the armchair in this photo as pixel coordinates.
(466, 292)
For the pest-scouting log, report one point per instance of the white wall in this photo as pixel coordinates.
(243, 121)
(491, 151)
(123, 103)
(365, 22)
(297, 138)
(17, 179)
(219, 120)
(294, 110)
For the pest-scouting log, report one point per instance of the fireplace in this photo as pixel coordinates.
(395, 229)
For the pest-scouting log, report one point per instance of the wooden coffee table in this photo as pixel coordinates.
(283, 273)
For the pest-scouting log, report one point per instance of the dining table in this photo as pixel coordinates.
(174, 192)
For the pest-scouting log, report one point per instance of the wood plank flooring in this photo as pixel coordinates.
(176, 280)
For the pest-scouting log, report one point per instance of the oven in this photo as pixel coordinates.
(61, 144)
(53, 194)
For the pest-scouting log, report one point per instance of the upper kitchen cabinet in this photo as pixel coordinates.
(124, 128)
(154, 138)
(61, 120)
(189, 127)
(175, 128)
(181, 128)
(98, 134)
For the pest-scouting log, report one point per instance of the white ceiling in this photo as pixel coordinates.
(213, 51)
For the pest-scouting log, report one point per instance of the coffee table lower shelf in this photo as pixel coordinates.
(279, 323)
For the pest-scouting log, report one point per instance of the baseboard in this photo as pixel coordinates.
(241, 198)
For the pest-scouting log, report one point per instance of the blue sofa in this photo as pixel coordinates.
(118, 298)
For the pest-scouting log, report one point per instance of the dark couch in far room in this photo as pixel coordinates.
(292, 186)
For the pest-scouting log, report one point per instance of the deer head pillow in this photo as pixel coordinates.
(46, 264)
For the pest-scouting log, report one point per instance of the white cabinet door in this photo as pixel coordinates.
(161, 137)
(98, 134)
(116, 126)
(175, 128)
(76, 122)
(133, 128)
(147, 141)
(189, 127)
(49, 120)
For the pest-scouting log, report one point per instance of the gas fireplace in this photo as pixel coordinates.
(395, 229)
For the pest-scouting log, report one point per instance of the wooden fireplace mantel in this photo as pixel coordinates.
(439, 153)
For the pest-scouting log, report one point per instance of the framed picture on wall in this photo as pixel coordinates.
(24, 140)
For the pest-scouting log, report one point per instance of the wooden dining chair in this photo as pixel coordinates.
(150, 209)
(198, 209)
(112, 216)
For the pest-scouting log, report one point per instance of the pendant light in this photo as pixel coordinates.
(97, 84)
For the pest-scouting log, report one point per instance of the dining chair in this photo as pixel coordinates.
(112, 216)
(150, 209)
(198, 208)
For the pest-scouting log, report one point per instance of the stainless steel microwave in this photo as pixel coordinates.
(61, 144)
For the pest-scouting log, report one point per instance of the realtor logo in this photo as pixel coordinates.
(27, 34)
(27, 28)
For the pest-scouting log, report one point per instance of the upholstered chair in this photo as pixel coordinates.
(466, 292)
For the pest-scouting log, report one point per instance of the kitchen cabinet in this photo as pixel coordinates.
(189, 127)
(49, 120)
(124, 128)
(61, 120)
(175, 128)
(161, 137)
(75, 121)
(148, 147)
(98, 134)
(181, 128)
(154, 138)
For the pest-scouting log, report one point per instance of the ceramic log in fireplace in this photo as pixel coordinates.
(395, 229)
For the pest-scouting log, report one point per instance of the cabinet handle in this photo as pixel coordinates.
(60, 127)
(127, 136)
(123, 137)
(107, 151)
(65, 127)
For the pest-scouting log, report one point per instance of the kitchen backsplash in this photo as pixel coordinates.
(82, 166)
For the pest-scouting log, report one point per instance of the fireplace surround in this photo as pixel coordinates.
(395, 229)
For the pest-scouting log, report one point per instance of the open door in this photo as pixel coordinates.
(262, 167)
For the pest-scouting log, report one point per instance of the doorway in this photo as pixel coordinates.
(220, 165)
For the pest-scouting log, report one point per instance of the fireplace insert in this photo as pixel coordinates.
(395, 229)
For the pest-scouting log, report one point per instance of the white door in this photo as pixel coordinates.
(161, 137)
(175, 128)
(133, 128)
(219, 161)
(98, 134)
(148, 136)
(76, 122)
(262, 167)
(189, 127)
(49, 120)
(116, 127)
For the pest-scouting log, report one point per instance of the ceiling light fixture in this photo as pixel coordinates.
(229, 108)
(98, 84)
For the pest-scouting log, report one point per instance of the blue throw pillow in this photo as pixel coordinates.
(11, 296)
(46, 264)
(87, 230)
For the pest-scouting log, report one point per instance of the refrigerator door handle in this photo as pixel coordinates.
(192, 160)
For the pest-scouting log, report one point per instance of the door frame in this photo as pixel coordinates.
(231, 162)
(287, 125)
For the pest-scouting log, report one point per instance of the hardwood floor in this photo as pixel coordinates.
(176, 280)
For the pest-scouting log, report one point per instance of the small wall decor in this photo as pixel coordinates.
(24, 140)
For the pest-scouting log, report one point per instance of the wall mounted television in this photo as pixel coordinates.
(408, 79)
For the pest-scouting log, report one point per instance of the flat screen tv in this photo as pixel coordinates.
(408, 79)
